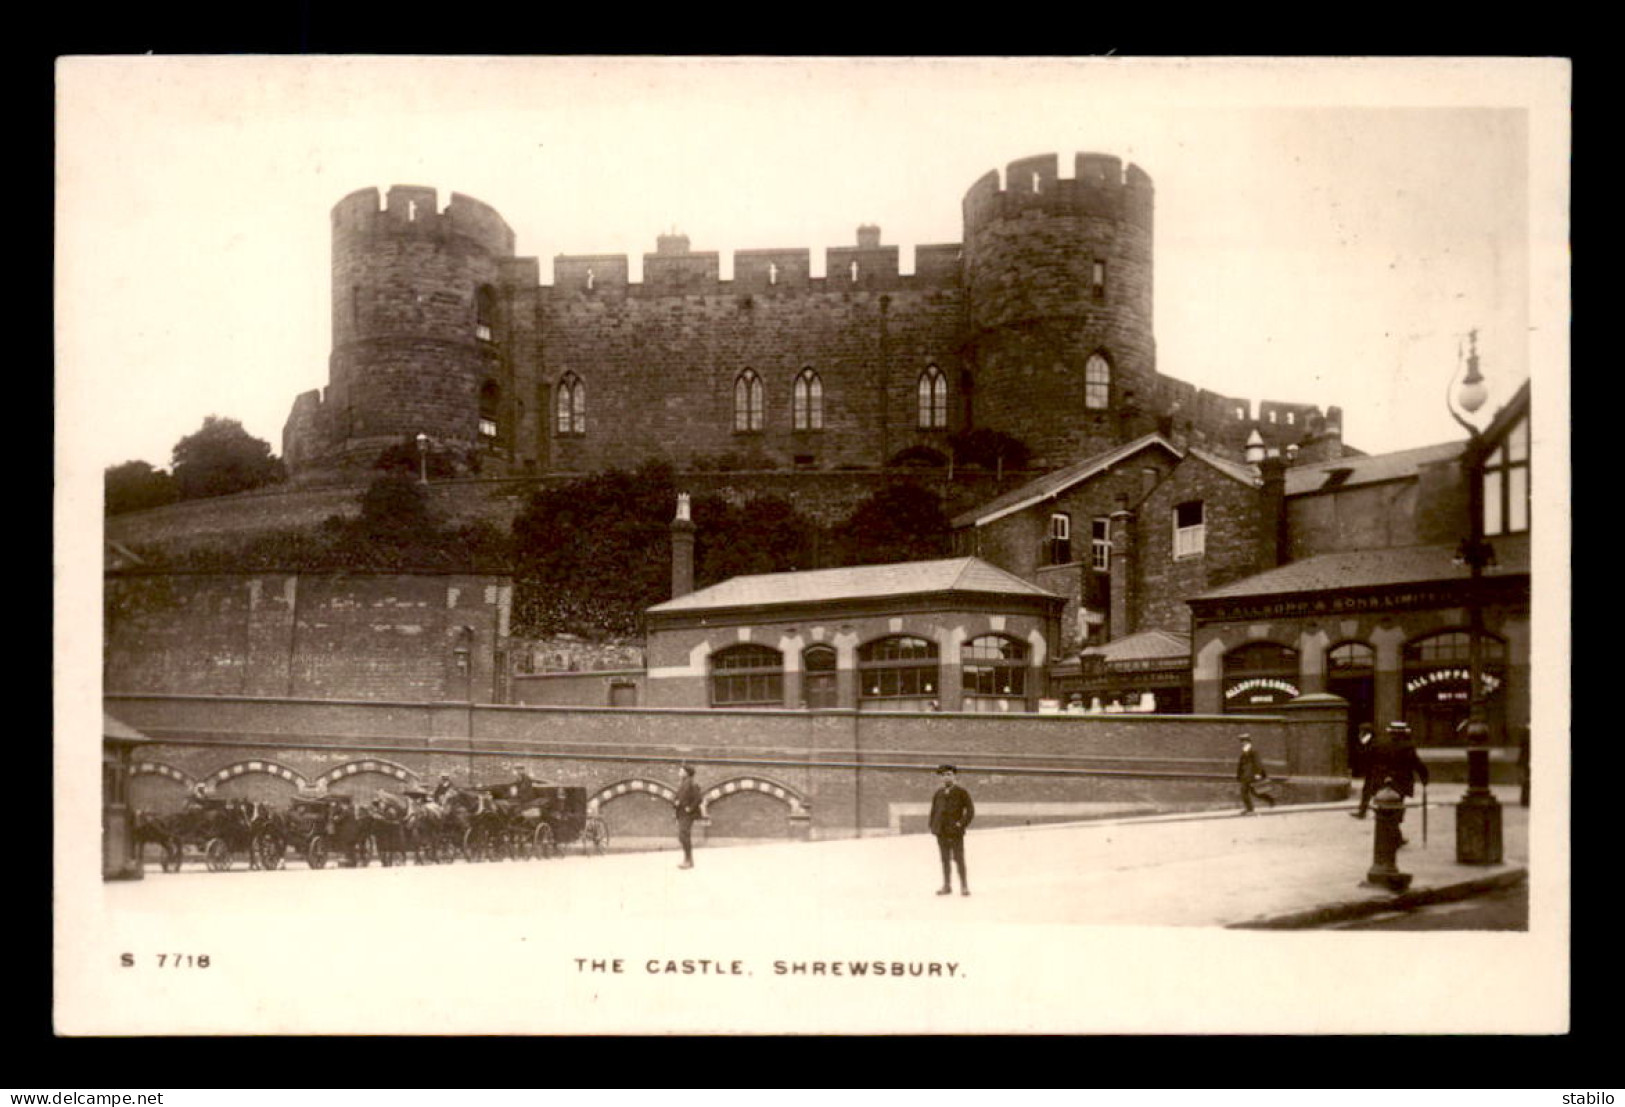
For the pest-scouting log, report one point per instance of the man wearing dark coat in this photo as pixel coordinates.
(1396, 763)
(688, 809)
(1249, 771)
(951, 813)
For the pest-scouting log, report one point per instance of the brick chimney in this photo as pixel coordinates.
(682, 550)
(868, 237)
(1122, 599)
(1273, 541)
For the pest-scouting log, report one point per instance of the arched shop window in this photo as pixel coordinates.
(899, 673)
(1260, 676)
(994, 668)
(1351, 673)
(1437, 688)
(744, 676)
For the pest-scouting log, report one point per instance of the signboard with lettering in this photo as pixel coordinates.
(1260, 690)
(1397, 598)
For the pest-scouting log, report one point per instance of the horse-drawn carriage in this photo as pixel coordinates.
(326, 828)
(217, 829)
(517, 826)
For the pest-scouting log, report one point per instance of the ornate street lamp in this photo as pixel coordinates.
(423, 458)
(1478, 815)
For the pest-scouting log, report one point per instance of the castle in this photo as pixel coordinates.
(1039, 325)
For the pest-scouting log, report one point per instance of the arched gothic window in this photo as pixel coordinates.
(1097, 383)
(748, 402)
(572, 405)
(807, 403)
(933, 399)
(490, 406)
(485, 312)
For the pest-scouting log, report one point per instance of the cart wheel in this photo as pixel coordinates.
(217, 855)
(270, 848)
(596, 835)
(316, 852)
(545, 845)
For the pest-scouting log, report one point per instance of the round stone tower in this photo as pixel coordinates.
(1058, 293)
(416, 339)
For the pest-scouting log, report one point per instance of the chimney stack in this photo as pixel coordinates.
(1273, 539)
(1122, 561)
(682, 550)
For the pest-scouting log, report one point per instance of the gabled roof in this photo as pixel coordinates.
(1349, 471)
(857, 582)
(1332, 572)
(1235, 470)
(1053, 484)
(1146, 645)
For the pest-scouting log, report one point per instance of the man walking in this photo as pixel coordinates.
(688, 809)
(1397, 764)
(1249, 771)
(951, 813)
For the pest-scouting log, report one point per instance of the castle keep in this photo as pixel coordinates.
(1039, 325)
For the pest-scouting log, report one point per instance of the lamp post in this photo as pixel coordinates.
(1478, 815)
(423, 459)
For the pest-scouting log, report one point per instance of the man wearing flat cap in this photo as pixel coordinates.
(688, 808)
(1249, 771)
(951, 813)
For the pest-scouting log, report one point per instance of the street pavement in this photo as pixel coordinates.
(1299, 866)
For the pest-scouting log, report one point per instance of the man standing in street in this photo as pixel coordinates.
(1397, 764)
(688, 809)
(951, 813)
(1249, 771)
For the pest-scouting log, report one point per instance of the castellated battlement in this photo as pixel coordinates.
(414, 210)
(675, 269)
(1100, 186)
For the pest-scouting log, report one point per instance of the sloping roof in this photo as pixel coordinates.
(1147, 645)
(1373, 568)
(857, 582)
(1235, 470)
(1053, 484)
(1302, 479)
(113, 728)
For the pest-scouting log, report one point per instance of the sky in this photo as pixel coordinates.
(1327, 232)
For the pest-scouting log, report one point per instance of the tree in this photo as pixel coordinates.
(136, 486)
(900, 522)
(220, 458)
(592, 554)
(989, 449)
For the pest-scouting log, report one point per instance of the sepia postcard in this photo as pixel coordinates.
(762, 546)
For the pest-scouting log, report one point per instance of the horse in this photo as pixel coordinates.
(162, 831)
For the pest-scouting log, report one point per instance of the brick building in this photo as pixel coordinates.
(1223, 587)
(951, 635)
(1038, 324)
